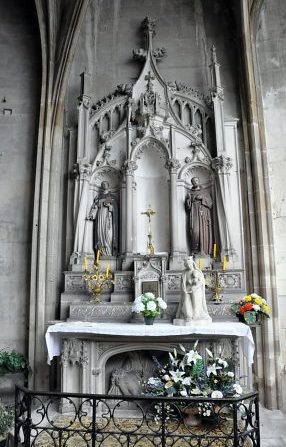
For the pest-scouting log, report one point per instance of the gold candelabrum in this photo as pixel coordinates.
(96, 279)
(150, 247)
(214, 286)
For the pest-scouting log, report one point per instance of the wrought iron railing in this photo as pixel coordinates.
(80, 420)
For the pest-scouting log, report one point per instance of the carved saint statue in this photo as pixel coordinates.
(198, 205)
(193, 300)
(104, 214)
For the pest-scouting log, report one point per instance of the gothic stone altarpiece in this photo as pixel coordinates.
(162, 144)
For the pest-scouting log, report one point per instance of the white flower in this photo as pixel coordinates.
(173, 361)
(138, 299)
(230, 374)
(161, 303)
(182, 348)
(263, 301)
(177, 375)
(186, 381)
(151, 305)
(211, 369)
(210, 354)
(192, 357)
(166, 377)
(254, 295)
(217, 394)
(256, 307)
(138, 307)
(184, 393)
(222, 362)
(237, 388)
(153, 381)
(149, 295)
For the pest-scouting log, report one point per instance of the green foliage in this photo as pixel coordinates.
(6, 418)
(12, 361)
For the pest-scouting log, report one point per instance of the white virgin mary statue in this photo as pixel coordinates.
(192, 306)
(104, 214)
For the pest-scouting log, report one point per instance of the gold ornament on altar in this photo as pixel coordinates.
(149, 213)
(213, 284)
(96, 279)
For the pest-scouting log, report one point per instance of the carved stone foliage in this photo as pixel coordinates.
(74, 283)
(74, 351)
(81, 171)
(198, 155)
(173, 165)
(123, 282)
(174, 282)
(231, 280)
(222, 164)
(105, 161)
(129, 167)
(100, 312)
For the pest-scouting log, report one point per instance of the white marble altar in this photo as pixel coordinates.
(86, 348)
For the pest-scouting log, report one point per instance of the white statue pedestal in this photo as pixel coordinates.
(190, 322)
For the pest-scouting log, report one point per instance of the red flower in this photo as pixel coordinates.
(248, 306)
(242, 310)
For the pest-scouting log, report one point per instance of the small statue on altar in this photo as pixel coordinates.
(104, 214)
(192, 307)
(198, 205)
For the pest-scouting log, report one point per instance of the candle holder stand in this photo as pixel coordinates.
(97, 281)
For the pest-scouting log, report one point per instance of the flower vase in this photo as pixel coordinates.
(149, 320)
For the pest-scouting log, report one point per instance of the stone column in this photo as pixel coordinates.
(128, 169)
(222, 166)
(173, 165)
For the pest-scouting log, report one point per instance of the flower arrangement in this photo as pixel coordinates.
(251, 307)
(186, 374)
(148, 305)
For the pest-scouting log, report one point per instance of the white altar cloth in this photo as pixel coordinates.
(55, 332)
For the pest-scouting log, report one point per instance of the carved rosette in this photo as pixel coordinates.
(222, 164)
(173, 165)
(129, 167)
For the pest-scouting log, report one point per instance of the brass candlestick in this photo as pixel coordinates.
(97, 281)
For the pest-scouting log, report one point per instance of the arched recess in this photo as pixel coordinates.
(152, 179)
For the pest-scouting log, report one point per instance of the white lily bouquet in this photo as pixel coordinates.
(149, 306)
(187, 374)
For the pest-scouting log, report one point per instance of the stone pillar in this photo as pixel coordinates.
(217, 98)
(222, 166)
(128, 169)
(173, 165)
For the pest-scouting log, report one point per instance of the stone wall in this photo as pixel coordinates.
(186, 28)
(270, 45)
(20, 86)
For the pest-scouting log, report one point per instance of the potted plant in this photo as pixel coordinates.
(13, 370)
(149, 306)
(251, 309)
(6, 422)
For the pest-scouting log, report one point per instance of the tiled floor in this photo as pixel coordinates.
(272, 428)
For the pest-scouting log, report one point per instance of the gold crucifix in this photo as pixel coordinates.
(149, 213)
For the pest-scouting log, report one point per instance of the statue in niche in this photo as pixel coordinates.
(193, 305)
(104, 214)
(199, 204)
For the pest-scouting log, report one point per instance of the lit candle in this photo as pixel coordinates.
(97, 256)
(200, 264)
(107, 271)
(224, 264)
(85, 264)
(214, 250)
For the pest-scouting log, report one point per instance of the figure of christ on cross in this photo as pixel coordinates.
(149, 213)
